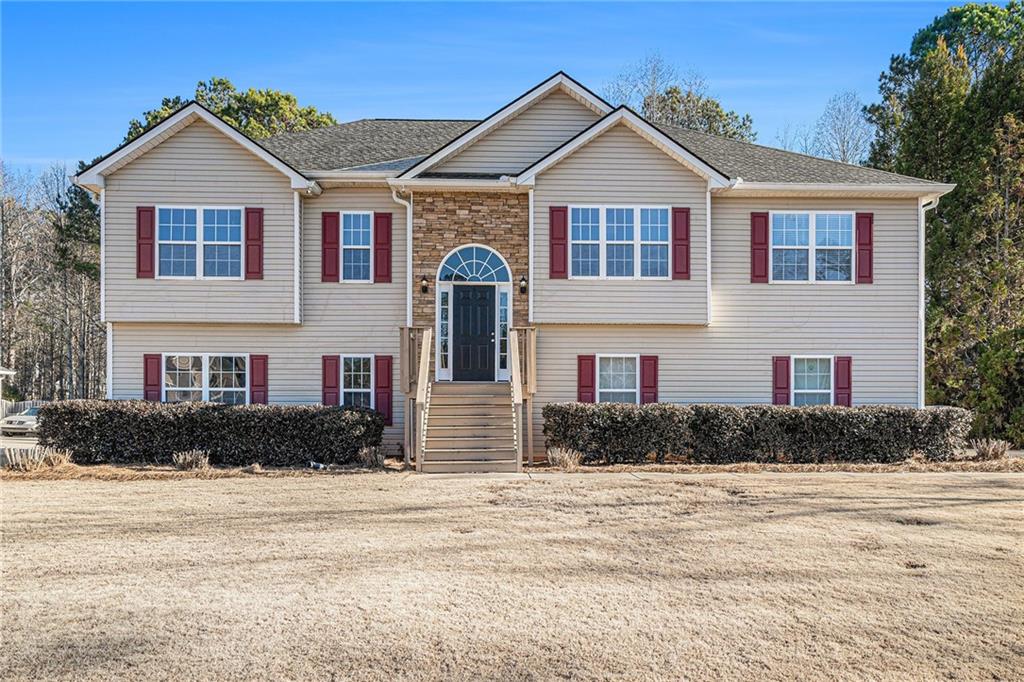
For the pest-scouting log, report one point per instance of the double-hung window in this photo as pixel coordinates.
(357, 380)
(619, 242)
(812, 381)
(814, 246)
(214, 378)
(618, 379)
(199, 242)
(355, 246)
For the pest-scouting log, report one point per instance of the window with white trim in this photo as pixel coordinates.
(185, 233)
(812, 380)
(804, 243)
(357, 381)
(612, 242)
(355, 246)
(215, 378)
(618, 379)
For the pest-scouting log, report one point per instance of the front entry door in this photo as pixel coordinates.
(473, 333)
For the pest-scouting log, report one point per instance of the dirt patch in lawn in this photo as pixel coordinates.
(1005, 465)
(397, 576)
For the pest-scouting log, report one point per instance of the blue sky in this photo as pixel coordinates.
(74, 74)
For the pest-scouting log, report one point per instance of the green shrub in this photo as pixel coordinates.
(723, 434)
(128, 431)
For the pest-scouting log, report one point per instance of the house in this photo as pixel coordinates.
(459, 275)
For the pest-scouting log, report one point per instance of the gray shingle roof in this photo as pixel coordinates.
(757, 163)
(368, 142)
(399, 144)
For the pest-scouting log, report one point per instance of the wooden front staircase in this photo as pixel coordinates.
(470, 427)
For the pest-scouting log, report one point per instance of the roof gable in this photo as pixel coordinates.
(560, 81)
(93, 176)
(647, 131)
(521, 139)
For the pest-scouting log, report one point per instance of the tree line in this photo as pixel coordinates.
(951, 109)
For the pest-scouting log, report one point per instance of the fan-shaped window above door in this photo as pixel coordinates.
(473, 264)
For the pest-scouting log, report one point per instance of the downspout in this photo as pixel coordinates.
(529, 315)
(408, 252)
(707, 249)
(924, 205)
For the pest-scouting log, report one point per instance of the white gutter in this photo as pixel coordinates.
(408, 252)
(504, 183)
(906, 189)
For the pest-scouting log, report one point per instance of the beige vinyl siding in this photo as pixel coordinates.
(199, 167)
(730, 360)
(620, 168)
(294, 374)
(522, 140)
(339, 318)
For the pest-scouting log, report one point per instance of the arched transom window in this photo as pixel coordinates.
(473, 264)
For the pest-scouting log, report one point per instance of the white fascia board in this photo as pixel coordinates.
(924, 189)
(639, 126)
(465, 184)
(94, 175)
(521, 103)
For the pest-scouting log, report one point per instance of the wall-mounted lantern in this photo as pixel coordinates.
(522, 284)
(423, 284)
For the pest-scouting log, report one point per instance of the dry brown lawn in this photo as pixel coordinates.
(397, 576)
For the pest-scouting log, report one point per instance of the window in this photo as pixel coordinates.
(502, 329)
(812, 381)
(222, 242)
(183, 378)
(357, 380)
(213, 378)
(185, 232)
(803, 243)
(618, 379)
(619, 242)
(355, 246)
(654, 242)
(585, 226)
(444, 313)
(176, 233)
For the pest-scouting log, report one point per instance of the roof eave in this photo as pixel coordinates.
(742, 188)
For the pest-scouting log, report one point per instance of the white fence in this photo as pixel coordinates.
(7, 407)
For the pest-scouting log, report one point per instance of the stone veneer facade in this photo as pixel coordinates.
(442, 221)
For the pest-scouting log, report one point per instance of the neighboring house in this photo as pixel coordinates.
(628, 262)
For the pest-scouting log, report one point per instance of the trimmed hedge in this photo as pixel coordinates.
(130, 431)
(722, 434)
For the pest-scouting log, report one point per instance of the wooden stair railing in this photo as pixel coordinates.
(517, 395)
(527, 364)
(422, 396)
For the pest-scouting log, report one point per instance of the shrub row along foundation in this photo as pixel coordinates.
(725, 434)
(100, 431)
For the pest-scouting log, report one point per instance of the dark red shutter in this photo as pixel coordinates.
(145, 242)
(330, 256)
(254, 243)
(844, 380)
(865, 248)
(382, 248)
(780, 380)
(680, 243)
(586, 378)
(151, 375)
(382, 386)
(648, 378)
(331, 379)
(759, 248)
(558, 239)
(258, 379)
